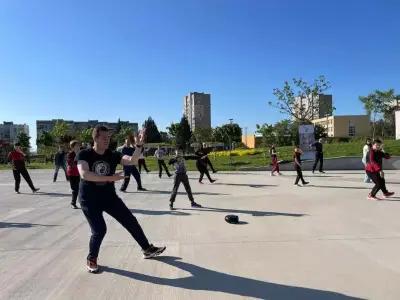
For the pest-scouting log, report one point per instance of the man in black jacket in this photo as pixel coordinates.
(59, 162)
(319, 156)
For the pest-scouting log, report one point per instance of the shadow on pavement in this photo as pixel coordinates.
(203, 279)
(245, 184)
(22, 225)
(47, 194)
(159, 212)
(179, 193)
(340, 187)
(254, 213)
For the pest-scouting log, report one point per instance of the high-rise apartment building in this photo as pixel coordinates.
(197, 109)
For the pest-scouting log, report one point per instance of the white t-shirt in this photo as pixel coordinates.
(159, 154)
(365, 151)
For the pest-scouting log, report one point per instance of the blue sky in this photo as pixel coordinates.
(133, 59)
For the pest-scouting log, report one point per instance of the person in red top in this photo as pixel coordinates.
(17, 158)
(373, 167)
(72, 171)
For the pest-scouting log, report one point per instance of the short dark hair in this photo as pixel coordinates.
(377, 141)
(97, 129)
(17, 144)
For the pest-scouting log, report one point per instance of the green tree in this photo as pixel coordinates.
(202, 135)
(45, 139)
(379, 104)
(124, 132)
(85, 136)
(152, 133)
(173, 129)
(320, 131)
(297, 98)
(268, 134)
(60, 132)
(23, 139)
(183, 133)
(228, 133)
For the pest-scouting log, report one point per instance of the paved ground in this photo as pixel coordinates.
(323, 241)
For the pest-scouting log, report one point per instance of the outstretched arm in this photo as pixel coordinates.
(172, 161)
(192, 157)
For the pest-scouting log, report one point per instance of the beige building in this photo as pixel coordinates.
(197, 109)
(252, 141)
(345, 126)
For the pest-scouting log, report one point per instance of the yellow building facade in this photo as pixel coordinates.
(345, 126)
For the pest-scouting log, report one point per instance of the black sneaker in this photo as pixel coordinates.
(124, 191)
(169, 175)
(194, 204)
(213, 180)
(18, 192)
(74, 206)
(171, 206)
(92, 266)
(35, 190)
(153, 251)
(306, 182)
(141, 189)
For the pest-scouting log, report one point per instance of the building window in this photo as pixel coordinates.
(352, 129)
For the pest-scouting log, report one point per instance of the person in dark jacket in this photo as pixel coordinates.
(204, 152)
(373, 167)
(59, 162)
(201, 165)
(72, 171)
(297, 165)
(180, 176)
(17, 159)
(129, 149)
(142, 162)
(319, 156)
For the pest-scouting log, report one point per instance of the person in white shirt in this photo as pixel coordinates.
(159, 154)
(366, 149)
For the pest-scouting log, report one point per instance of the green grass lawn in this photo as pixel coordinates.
(226, 163)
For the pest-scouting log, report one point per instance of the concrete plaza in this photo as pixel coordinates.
(323, 241)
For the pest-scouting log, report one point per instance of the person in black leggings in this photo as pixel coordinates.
(297, 165)
(142, 161)
(201, 165)
(373, 167)
(72, 171)
(129, 149)
(17, 159)
(97, 194)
